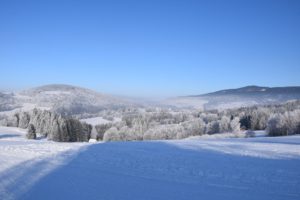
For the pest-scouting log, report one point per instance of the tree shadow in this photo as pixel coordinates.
(17, 180)
(156, 170)
(9, 135)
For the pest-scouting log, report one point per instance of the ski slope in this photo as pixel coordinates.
(255, 168)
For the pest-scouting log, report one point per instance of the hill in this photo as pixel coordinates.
(73, 100)
(240, 97)
(64, 99)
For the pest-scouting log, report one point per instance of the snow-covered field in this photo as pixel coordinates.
(99, 120)
(209, 168)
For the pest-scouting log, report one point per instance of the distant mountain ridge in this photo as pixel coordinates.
(73, 100)
(250, 90)
(240, 97)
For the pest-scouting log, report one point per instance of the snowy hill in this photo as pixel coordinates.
(240, 97)
(258, 91)
(72, 100)
(7, 101)
(64, 99)
(254, 168)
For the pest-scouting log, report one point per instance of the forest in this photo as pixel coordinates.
(156, 123)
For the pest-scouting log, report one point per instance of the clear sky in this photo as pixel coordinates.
(153, 47)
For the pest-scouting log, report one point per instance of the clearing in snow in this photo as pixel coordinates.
(252, 168)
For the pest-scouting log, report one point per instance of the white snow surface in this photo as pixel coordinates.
(99, 120)
(95, 121)
(209, 168)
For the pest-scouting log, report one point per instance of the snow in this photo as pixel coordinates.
(241, 134)
(210, 168)
(93, 140)
(268, 147)
(99, 120)
(95, 121)
(18, 155)
(57, 92)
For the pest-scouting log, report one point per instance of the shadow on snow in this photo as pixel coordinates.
(156, 170)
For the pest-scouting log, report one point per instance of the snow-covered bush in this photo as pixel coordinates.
(112, 134)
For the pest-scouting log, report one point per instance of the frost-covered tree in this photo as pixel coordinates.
(164, 132)
(194, 127)
(213, 127)
(51, 125)
(24, 120)
(275, 126)
(78, 131)
(224, 124)
(31, 134)
(286, 123)
(291, 120)
(245, 122)
(13, 120)
(209, 117)
(235, 125)
(160, 123)
(101, 128)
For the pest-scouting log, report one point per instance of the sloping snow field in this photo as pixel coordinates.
(256, 168)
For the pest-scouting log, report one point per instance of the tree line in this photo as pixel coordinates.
(160, 123)
(153, 124)
(49, 124)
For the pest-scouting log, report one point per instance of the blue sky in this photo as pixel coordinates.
(145, 48)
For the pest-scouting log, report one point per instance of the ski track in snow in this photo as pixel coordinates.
(252, 168)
